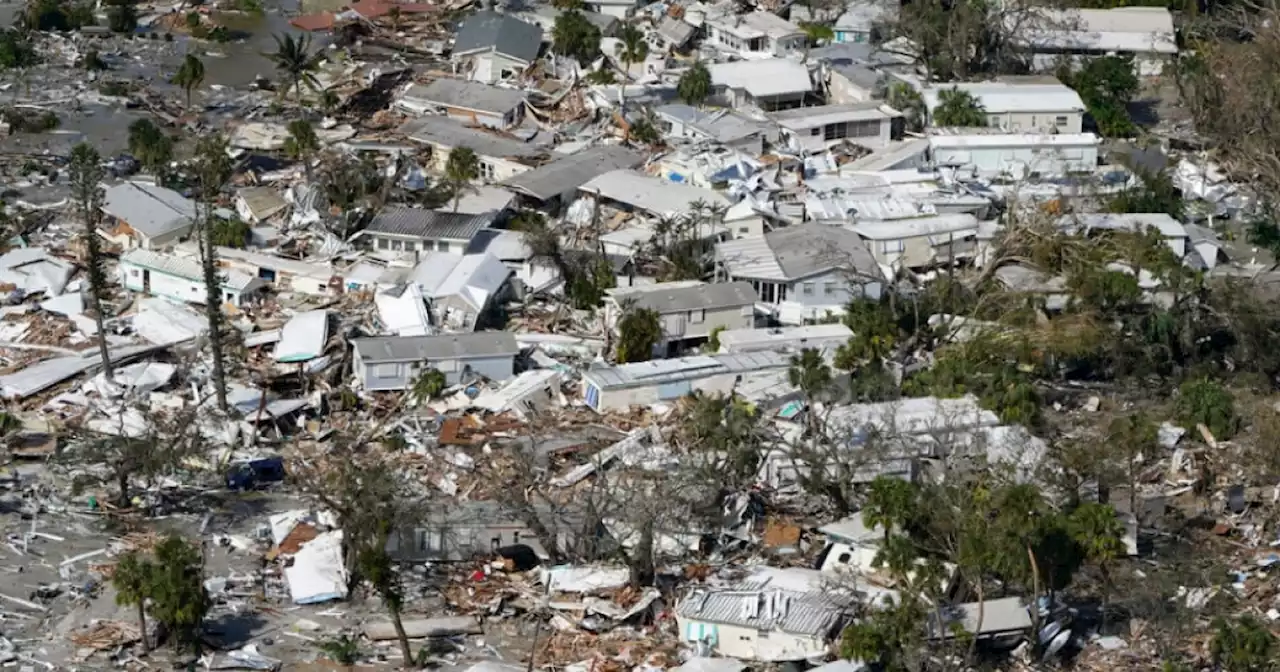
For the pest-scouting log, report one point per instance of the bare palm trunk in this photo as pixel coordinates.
(1035, 599)
(405, 651)
(982, 613)
(142, 625)
(213, 310)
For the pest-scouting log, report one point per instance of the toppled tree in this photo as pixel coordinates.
(1106, 85)
(428, 385)
(86, 175)
(1205, 402)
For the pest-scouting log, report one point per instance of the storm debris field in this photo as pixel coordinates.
(612, 337)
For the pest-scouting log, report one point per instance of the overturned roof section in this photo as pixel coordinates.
(999, 97)
(650, 194)
(792, 600)
(500, 33)
(567, 174)
(303, 337)
(473, 96)
(665, 300)
(149, 209)
(798, 252)
(448, 346)
(431, 224)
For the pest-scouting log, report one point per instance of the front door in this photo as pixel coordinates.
(146, 281)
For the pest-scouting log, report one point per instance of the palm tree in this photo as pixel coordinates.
(905, 99)
(632, 49)
(429, 385)
(694, 86)
(302, 143)
(190, 76)
(1099, 533)
(815, 32)
(295, 63)
(460, 170)
(132, 580)
(959, 108)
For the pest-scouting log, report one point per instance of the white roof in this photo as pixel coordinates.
(32, 270)
(809, 336)
(403, 311)
(271, 261)
(920, 415)
(475, 279)
(821, 115)
(185, 268)
(768, 77)
(650, 193)
(757, 24)
(981, 140)
(1123, 29)
(932, 225)
(1002, 97)
(1162, 222)
(302, 338)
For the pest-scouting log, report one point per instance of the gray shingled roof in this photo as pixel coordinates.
(701, 297)
(567, 174)
(149, 209)
(467, 95)
(427, 348)
(451, 133)
(433, 224)
(805, 250)
(503, 34)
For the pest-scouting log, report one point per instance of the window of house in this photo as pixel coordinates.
(993, 121)
(835, 131)
(1059, 121)
(422, 540)
(828, 288)
(888, 246)
(487, 170)
(386, 371)
(763, 634)
(442, 246)
(815, 131)
(515, 538)
(383, 244)
(446, 365)
(133, 272)
(194, 290)
(397, 245)
(743, 230)
(697, 316)
(229, 297)
(495, 543)
(808, 289)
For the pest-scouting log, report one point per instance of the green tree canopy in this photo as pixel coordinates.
(574, 36)
(639, 332)
(958, 108)
(694, 86)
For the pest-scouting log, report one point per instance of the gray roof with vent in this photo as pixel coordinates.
(428, 224)
(503, 34)
(443, 347)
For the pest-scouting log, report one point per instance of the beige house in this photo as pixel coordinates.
(1037, 104)
(689, 309)
(920, 242)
